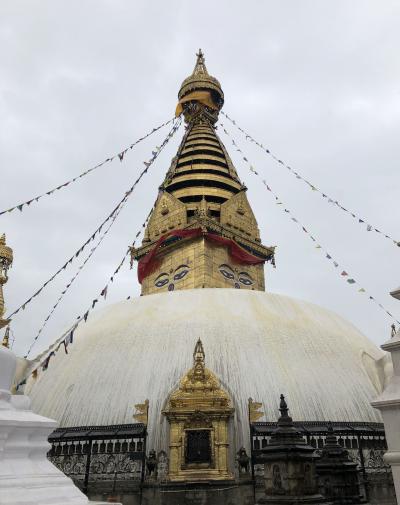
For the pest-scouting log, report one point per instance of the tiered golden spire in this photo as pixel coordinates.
(202, 190)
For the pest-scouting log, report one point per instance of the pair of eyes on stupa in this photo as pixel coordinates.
(236, 277)
(171, 278)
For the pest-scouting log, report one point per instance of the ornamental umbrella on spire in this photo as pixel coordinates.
(200, 92)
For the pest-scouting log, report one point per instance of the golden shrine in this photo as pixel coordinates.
(198, 413)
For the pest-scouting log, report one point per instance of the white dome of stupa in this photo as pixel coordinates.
(258, 344)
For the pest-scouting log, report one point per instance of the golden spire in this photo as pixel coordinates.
(200, 95)
(200, 67)
(199, 355)
(199, 364)
(201, 197)
(6, 259)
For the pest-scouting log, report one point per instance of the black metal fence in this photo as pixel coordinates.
(100, 456)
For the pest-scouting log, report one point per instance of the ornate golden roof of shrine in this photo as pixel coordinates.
(199, 388)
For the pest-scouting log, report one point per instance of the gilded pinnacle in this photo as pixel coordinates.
(200, 67)
(6, 253)
(201, 80)
(199, 354)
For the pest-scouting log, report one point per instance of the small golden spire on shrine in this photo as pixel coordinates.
(6, 259)
(199, 359)
(199, 355)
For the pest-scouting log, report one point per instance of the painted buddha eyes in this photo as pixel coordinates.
(237, 278)
(180, 272)
(171, 278)
(161, 280)
(227, 272)
(245, 279)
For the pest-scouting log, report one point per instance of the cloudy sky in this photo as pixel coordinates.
(315, 81)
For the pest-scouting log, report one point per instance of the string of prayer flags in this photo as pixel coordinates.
(344, 274)
(68, 339)
(115, 211)
(120, 155)
(330, 200)
(46, 362)
(72, 281)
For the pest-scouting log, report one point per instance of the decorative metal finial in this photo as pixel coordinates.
(198, 353)
(6, 259)
(393, 330)
(283, 408)
(331, 439)
(200, 67)
(199, 359)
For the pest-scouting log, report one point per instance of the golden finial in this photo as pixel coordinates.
(200, 67)
(200, 81)
(198, 353)
(6, 259)
(142, 414)
(199, 359)
(6, 338)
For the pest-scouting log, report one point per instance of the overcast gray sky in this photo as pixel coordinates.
(316, 81)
